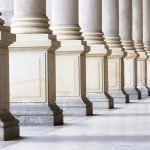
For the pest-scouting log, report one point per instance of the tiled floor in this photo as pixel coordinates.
(125, 128)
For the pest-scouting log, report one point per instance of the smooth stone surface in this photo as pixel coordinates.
(125, 19)
(137, 13)
(67, 14)
(90, 22)
(124, 128)
(110, 15)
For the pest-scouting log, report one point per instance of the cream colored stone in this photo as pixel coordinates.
(28, 73)
(70, 85)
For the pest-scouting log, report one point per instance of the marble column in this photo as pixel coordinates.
(70, 59)
(9, 126)
(137, 27)
(146, 37)
(32, 66)
(125, 32)
(90, 21)
(110, 26)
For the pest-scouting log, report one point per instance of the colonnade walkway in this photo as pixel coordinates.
(125, 128)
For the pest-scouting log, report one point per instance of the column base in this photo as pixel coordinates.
(101, 101)
(133, 93)
(37, 114)
(119, 96)
(75, 106)
(9, 127)
(145, 91)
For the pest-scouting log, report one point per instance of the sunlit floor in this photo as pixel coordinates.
(125, 128)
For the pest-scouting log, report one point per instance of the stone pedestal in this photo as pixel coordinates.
(90, 20)
(115, 71)
(70, 79)
(97, 77)
(9, 126)
(32, 76)
(130, 67)
(70, 75)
